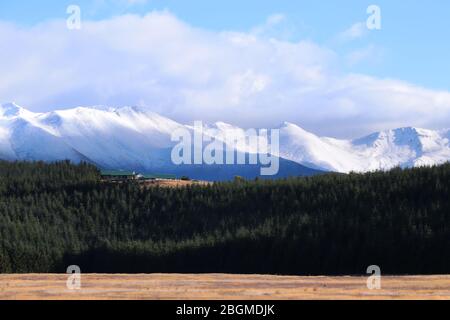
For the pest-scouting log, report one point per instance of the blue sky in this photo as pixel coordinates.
(253, 63)
(413, 44)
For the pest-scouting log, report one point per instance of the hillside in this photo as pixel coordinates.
(55, 215)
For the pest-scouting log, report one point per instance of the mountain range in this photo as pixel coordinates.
(132, 138)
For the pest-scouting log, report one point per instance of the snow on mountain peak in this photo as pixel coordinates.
(128, 110)
(287, 124)
(406, 147)
(134, 137)
(10, 109)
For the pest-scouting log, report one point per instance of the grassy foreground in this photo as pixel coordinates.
(219, 287)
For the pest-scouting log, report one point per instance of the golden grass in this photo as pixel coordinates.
(173, 183)
(219, 287)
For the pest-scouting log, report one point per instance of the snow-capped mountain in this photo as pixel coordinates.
(404, 147)
(125, 138)
(137, 139)
(108, 137)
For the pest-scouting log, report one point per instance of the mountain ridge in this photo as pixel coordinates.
(132, 137)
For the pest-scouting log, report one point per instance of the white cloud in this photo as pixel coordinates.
(194, 74)
(356, 31)
(133, 2)
(275, 26)
(120, 2)
(275, 19)
(368, 54)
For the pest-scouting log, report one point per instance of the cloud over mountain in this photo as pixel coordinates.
(251, 79)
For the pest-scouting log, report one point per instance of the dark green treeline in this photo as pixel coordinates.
(55, 215)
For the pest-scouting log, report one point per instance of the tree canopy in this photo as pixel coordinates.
(60, 214)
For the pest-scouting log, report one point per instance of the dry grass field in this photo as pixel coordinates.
(164, 183)
(219, 287)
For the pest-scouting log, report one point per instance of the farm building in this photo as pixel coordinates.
(130, 176)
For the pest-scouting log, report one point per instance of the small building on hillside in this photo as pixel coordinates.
(147, 177)
(117, 176)
(121, 176)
